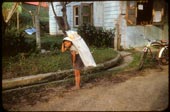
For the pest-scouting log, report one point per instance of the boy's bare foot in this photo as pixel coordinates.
(75, 88)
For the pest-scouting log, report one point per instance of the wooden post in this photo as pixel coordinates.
(17, 20)
(38, 41)
(117, 39)
(13, 9)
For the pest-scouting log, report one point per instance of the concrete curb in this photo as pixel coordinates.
(43, 78)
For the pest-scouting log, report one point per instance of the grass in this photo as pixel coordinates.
(43, 63)
(149, 62)
(103, 54)
(136, 58)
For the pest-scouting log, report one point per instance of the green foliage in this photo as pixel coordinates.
(98, 37)
(15, 42)
(7, 5)
(19, 9)
(25, 19)
(42, 63)
(136, 59)
(44, 26)
(51, 42)
(102, 53)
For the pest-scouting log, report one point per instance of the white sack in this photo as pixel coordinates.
(83, 49)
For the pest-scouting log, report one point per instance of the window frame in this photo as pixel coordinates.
(80, 14)
(76, 16)
(133, 14)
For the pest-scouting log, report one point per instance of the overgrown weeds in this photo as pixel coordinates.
(51, 62)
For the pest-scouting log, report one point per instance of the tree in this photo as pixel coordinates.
(64, 10)
(36, 24)
(8, 9)
(62, 21)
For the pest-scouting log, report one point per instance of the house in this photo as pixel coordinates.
(134, 20)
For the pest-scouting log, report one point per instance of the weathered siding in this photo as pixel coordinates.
(98, 14)
(53, 26)
(111, 13)
(70, 16)
(105, 14)
(122, 23)
(70, 13)
(135, 35)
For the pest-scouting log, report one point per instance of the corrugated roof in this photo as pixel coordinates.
(43, 4)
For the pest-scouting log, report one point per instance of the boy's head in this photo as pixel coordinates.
(67, 42)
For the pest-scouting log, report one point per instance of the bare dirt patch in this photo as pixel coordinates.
(131, 90)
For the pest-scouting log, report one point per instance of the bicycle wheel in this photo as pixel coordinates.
(142, 59)
(164, 60)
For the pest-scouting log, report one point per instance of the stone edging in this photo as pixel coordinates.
(52, 76)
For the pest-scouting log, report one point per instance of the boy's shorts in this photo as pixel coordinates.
(78, 62)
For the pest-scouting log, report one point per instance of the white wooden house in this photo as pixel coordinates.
(125, 16)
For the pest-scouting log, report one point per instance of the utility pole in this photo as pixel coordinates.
(17, 20)
(37, 25)
(38, 40)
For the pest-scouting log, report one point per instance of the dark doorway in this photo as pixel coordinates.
(144, 12)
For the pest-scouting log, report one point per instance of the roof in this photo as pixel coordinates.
(43, 4)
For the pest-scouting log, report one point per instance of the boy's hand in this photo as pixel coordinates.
(63, 48)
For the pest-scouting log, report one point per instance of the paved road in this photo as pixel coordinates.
(147, 91)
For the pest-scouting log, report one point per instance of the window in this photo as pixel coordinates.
(86, 13)
(145, 12)
(131, 13)
(76, 15)
(82, 14)
(159, 12)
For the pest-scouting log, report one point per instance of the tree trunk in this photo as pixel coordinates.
(57, 19)
(33, 20)
(64, 10)
(17, 20)
(38, 41)
(13, 9)
(62, 22)
(3, 25)
(37, 25)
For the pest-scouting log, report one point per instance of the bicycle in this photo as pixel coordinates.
(163, 56)
(147, 49)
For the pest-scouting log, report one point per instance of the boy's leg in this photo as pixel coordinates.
(77, 78)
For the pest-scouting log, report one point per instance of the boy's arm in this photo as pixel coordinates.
(63, 49)
(73, 53)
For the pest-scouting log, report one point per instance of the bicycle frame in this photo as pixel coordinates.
(163, 55)
(147, 47)
(161, 51)
(146, 50)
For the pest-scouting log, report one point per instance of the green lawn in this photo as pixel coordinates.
(43, 63)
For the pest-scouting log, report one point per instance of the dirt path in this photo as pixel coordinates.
(146, 91)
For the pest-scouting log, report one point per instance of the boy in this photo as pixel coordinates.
(76, 60)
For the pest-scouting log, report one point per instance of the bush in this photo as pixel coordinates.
(98, 37)
(14, 42)
(51, 42)
(44, 26)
